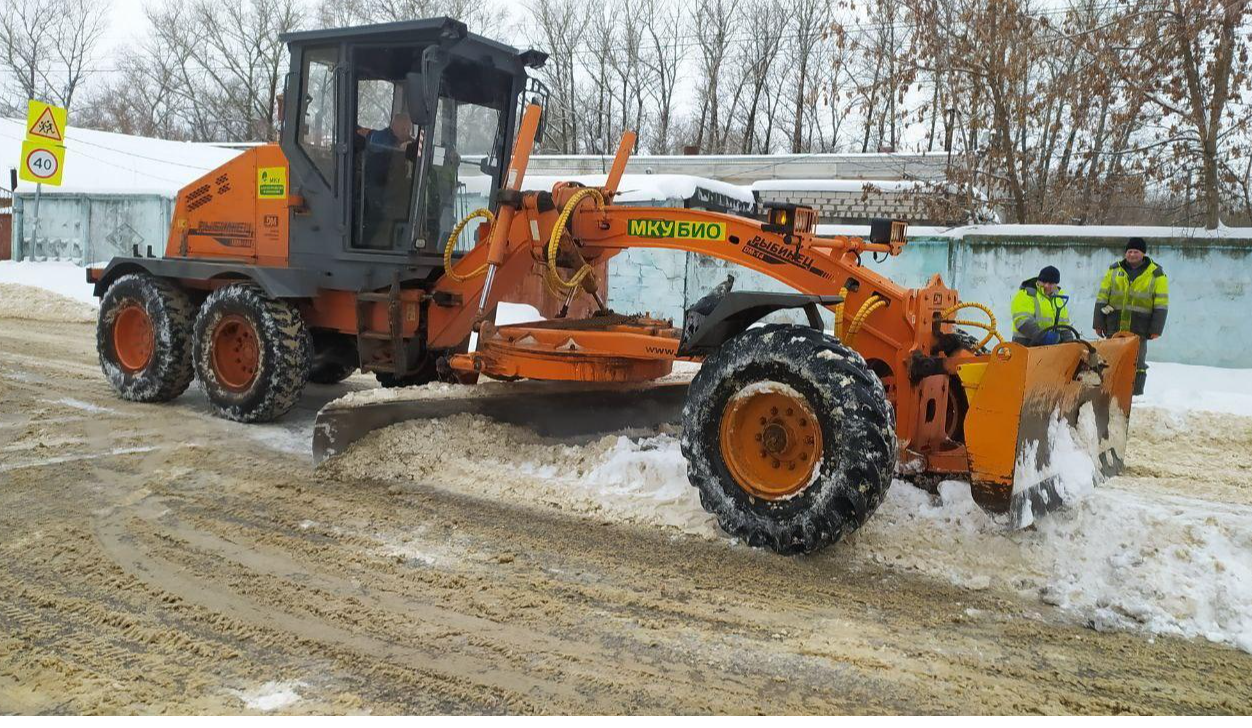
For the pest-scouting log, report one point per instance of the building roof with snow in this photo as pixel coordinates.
(100, 162)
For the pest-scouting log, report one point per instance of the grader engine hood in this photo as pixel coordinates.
(1045, 423)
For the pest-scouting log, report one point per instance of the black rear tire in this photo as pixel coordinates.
(169, 312)
(857, 426)
(284, 350)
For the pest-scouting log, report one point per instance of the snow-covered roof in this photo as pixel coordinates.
(633, 187)
(838, 185)
(1054, 231)
(102, 162)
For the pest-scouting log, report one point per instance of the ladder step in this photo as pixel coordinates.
(380, 297)
(376, 335)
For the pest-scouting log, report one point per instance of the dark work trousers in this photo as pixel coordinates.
(1141, 365)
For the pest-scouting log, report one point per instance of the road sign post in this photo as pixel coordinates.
(43, 150)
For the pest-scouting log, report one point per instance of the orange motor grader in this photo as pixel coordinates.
(383, 230)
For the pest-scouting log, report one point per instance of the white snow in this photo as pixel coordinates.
(840, 185)
(107, 163)
(1071, 231)
(634, 188)
(81, 405)
(65, 279)
(516, 313)
(1192, 388)
(270, 696)
(1125, 555)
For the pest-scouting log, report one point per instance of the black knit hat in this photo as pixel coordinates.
(1049, 274)
(1137, 244)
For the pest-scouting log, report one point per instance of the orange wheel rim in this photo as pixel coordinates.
(236, 354)
(133, 339)
(771, 441)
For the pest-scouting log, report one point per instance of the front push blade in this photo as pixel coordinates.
(1047, 423)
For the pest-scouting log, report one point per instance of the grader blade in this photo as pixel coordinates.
(1046, 422)
(563, 410)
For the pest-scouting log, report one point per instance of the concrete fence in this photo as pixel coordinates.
(1210, 318)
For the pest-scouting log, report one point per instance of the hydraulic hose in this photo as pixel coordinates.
(456, 233)
(843, 293)
(989, 326)
(871, 305)
(554, 244)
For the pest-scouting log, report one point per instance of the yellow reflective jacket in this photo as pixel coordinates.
(1034, 311)
(1135, 300)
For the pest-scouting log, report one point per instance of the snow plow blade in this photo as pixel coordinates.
(563, 410)
(1034, 413)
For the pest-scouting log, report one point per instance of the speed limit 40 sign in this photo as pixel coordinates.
(42, 162)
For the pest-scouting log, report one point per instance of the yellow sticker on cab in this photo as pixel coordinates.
(271, 182)
(677, 229)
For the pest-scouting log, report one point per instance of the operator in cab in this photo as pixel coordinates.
(388, 179)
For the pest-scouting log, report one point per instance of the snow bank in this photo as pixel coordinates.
(270, 696)
(1165, 548)
(36, 304)
(615, 477)
(107, 163)
(1190, 388)
(64, 279)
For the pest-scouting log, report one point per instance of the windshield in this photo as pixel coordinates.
(461, 179)
(414, 179)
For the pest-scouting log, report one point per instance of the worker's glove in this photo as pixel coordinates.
(1050, 337)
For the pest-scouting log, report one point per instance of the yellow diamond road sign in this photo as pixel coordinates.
(45, 122)
(43, 162)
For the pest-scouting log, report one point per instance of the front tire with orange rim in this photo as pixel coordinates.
(252, 353)
(789, 438)
(143, 338)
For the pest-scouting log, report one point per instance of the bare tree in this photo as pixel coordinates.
(663, 57)
(717, 20)
(558, 28)
(811, 18)
(766, 22)
(481, 17)
(45, 48)
(228, 61)
(1194, 67)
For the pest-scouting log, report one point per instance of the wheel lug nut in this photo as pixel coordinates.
(790, 412)
(776, 464)
(791, 466)
(758, 437)
(773, 411)
(763, 420)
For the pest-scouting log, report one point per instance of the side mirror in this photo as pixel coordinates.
(416, 99)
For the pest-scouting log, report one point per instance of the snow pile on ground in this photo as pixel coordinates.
(615, 477)
(65, 279)
(1190, 388)
(1165, 548)
(1118, 558)
(272, 695)
(36, 304)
